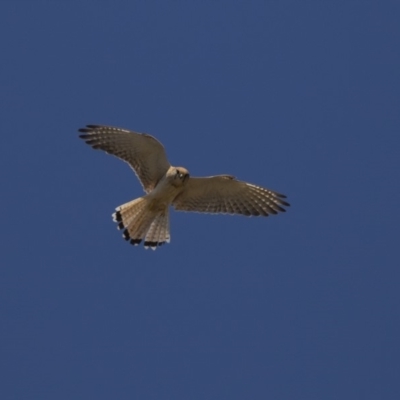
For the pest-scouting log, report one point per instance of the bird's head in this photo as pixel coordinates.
(178, 175)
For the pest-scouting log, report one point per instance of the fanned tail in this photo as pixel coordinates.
(141, 223)
(158, 233)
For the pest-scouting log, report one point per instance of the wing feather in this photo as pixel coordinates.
(224, 194)
(144, 153)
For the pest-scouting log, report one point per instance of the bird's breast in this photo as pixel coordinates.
(163, 195)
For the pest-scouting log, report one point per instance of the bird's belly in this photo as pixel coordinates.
(162, 196)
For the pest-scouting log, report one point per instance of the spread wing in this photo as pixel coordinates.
(224, 194)
(145, 154)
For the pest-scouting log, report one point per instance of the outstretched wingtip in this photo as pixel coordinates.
(285, 203)
(89, 128)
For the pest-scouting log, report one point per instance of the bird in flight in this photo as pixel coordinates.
(147, 218)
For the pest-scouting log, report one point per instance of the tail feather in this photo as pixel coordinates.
(126, 213)
(140, 222)
(158, 233)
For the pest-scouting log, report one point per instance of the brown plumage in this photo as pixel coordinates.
(147, 218)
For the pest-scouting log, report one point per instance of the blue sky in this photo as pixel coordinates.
(300, 97)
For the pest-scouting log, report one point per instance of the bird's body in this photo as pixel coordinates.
(147, 218)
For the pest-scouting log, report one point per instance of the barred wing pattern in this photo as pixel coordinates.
(224, 194)
(144, 153)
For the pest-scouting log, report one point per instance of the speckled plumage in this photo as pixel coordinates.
(147, 218)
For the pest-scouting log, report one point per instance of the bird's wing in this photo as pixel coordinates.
(224, 194)
(144, 153)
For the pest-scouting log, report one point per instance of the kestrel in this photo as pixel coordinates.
(147, 218)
